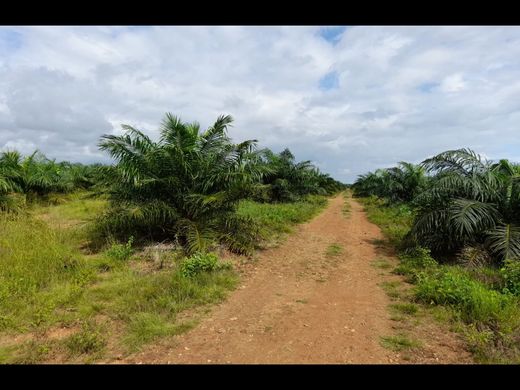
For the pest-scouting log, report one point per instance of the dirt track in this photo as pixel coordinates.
(302, 306)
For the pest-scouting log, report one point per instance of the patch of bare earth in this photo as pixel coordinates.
(300, 305)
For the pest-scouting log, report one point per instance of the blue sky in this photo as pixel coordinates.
(351, 99)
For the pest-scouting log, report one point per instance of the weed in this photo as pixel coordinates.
(405, 308)
(199, 262)
(120, 252)
(89, 340)
(382, 263)
(399, 342)
(334, 250)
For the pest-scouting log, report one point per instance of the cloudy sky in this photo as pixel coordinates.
(351, 99)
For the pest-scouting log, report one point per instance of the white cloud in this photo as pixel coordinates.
(453, 83)
(404, 92)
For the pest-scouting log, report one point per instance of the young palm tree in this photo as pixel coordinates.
(470, 201)
(187, 185)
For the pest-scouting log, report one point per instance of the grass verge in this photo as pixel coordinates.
(473, 301)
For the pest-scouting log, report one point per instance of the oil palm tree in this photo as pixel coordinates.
(185, 186)
(470, 201)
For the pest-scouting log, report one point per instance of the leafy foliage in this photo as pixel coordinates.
(33, 177)
(470, 201)
(199, 262)
(398, 184)
(287, 180)
(120, 252)
(459, 200)
(511, 275)
(185, 186)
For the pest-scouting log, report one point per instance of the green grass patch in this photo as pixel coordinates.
(381, 263)
(46, 281)
(399, 342)
(89, 340)
(405, 308)
(391, 288)
(276, 219)
(29, 352)
(150, 303)
(334, 250)
(145, 327)
(394, 220)
(40, 271)
(70, 209)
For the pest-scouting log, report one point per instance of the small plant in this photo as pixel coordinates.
(511, 275)
(121, 252)
(405, 308)
(31, 352)
(334, 250)
(199, 262)
(413, 262)
(399, 342)
(90, 339)
(391, 288)
(382, 263)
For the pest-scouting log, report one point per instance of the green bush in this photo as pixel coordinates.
(414, 261)
(120, 252)
(511, 274)
(199, 262)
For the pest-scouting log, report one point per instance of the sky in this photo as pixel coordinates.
(349, 98)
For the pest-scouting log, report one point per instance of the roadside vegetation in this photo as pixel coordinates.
(454, 219)
(99, 260)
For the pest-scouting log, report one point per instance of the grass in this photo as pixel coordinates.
(405, 308)
(30, 352)
(391, 288)
(382, 264)
(394, 220)
(90, 339)
(346, 205)
(473, 301)
(278, 219)
(334, 250)
(71, 209)
(399, 342)
(46, 281)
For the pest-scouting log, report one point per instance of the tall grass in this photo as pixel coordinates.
(276, 219)
(46, 281)
(480, 308)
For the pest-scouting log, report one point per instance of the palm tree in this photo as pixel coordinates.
(398, 184)
(185, 186)
(470, 201)
(287, 180)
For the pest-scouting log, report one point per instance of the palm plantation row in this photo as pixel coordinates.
(455, 219)
(460, 201)
(184, 187)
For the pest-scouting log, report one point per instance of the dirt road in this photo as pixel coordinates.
(301, 305)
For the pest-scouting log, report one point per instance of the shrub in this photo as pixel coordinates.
(121, 252)
(90, 339)
(199, 262)
(511, 274)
